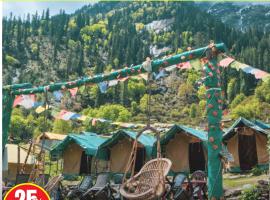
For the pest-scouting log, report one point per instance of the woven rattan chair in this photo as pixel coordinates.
(149, 182)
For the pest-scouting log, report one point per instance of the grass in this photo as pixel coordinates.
(239, 182)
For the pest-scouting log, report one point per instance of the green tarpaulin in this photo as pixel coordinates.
(90, 142)
(146, 140)
(230, 132)
(177, 128)
(262, 124)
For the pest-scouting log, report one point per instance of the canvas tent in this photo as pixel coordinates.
(77, 151)
(13, 160)
(247, 142)
(50, 139)
(118, 149)
(185, 147)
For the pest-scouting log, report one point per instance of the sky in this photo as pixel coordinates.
(22, 8)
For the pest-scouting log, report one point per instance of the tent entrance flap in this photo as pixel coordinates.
(247, 151)
(196, 157)
(86, 162)
(140, 158)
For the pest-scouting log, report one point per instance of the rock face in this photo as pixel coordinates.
(160, 25)
(262, 188)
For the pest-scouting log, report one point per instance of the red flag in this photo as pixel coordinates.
(73, 91)
(226, 62)
(184, 65)
(17, 100)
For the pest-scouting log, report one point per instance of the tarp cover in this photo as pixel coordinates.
(145, 140)
(230, 132)
(89, 142)
(262, 124)
(178, 128)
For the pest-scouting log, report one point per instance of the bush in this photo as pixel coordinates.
(250, 194)
(256, 171)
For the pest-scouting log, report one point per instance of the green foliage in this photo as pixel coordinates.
(62, 127)
(136, 89)
(256, 171)
(11, 60)
(34, 48)
(114, 112)
(143, 103)
(193, 110)
(237, 100)
(250, 194)
(262, 92)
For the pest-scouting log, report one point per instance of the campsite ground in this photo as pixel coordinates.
(233, 181)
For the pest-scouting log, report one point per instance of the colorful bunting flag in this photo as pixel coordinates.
(65, 115)
(103, 86)
(28, 101)
(17, 100)
(123, 79)
(75, 116)
(226, 62)
(170, 68)
(94, 122)
(248, 69)
(82, 118)
(58, 95)
(112, 83)
(184, 65)
(73, 91)
(161, 74)
(259, 74)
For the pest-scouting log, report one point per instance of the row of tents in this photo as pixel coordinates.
(186, 147)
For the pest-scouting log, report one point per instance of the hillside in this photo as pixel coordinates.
(242, 15)
(105, 36)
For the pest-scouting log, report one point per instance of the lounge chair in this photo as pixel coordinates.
(100, 189)
(77, 191)
(181, 188)
(53, 187)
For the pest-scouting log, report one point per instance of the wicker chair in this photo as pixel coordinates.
(149, 183)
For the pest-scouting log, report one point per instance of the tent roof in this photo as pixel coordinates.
(262, 124)
(12, 155)
(144, 139)
(242, 121)
(178, 128)
(88, 141)
(51, 136)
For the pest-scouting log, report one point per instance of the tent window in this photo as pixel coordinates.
(85, 167)
(140, 158)
(247, 151)
(196, 157)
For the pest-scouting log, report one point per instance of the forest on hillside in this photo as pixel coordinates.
(102, 37)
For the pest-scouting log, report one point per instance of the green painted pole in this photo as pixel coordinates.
(7, 102)
(214, 115)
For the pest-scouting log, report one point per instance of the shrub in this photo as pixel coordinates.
(250, 194)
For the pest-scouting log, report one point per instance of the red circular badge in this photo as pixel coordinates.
(27, 191)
